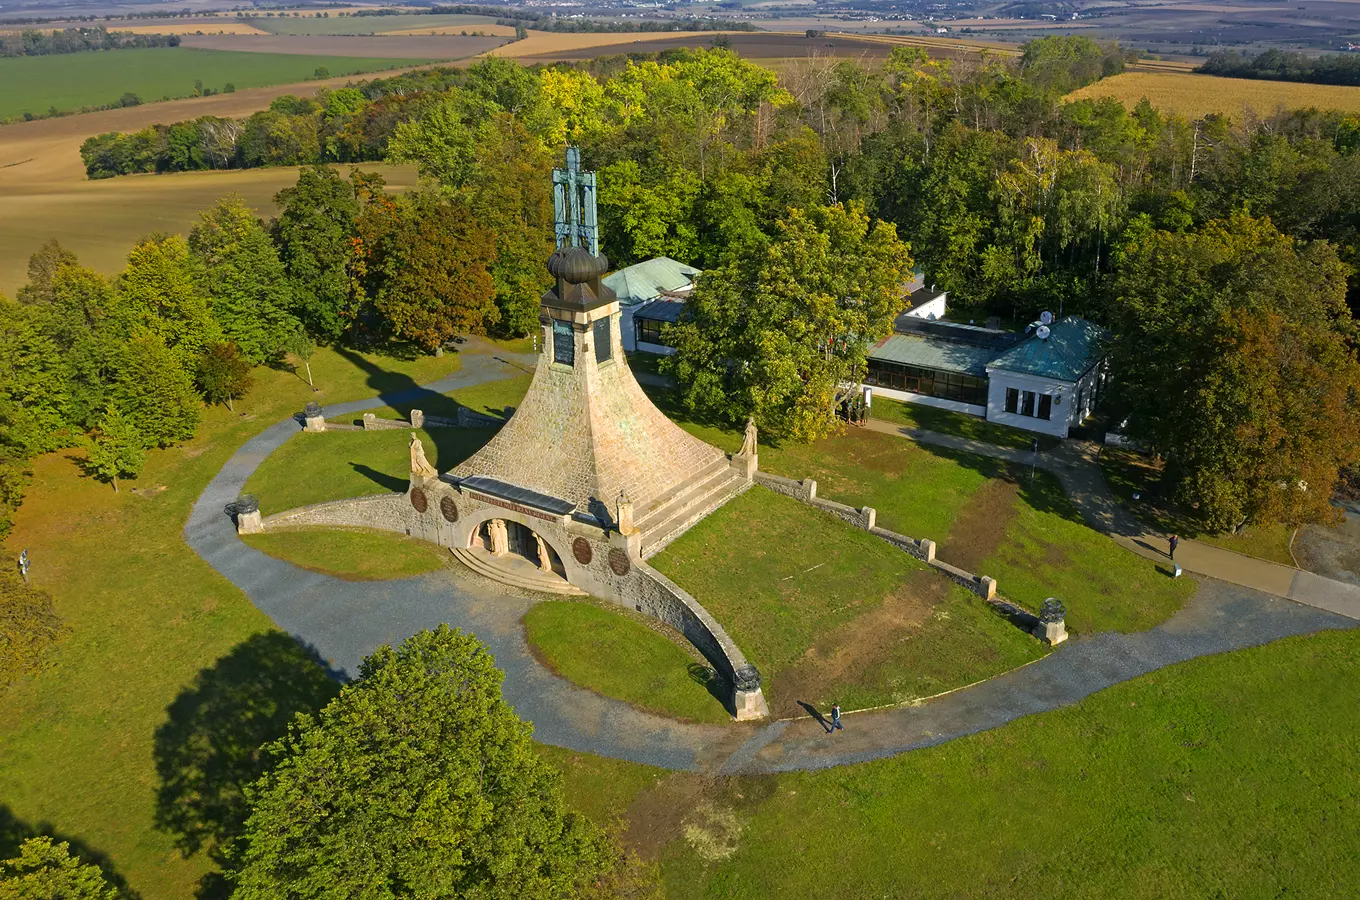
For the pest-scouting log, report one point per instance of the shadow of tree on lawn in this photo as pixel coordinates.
(14, 831)
(209, 750)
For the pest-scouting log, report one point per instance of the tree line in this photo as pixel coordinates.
(32, 42)
(1286, 65)
(976, 172)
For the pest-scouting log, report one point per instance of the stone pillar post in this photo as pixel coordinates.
(417, 418)
(248, 519)
(868, 517)
(625, 515)
(927, 549)
(748, 701)
(1052, 626)
(312, 418)
(370, 421)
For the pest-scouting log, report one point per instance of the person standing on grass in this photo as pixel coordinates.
(1173, 544)
(836, 717)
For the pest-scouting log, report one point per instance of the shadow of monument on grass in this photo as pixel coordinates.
(399, 390)
(389, 482)
(209, 749)
(14, 831)
(1039, 489)
(715, 684)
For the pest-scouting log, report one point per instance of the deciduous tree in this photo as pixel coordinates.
(115, 449)
(1234, 353)
(417, 780)
(315, 232)
(28, 627)
(45, 870)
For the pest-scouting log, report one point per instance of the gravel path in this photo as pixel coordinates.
(342, 621)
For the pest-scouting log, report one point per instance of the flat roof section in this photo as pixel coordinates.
(933, 353)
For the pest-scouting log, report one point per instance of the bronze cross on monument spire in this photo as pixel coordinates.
(574, 204)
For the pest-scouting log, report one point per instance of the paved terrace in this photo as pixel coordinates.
(342, 621)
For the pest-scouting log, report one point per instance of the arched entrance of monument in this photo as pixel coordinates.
(513, 553)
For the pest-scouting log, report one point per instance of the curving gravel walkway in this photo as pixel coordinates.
(342, 621)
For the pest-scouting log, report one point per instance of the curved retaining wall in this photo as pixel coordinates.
(612, 568)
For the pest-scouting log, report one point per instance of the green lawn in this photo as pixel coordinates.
(1128, 473)
(985, 515)
(356, 554)
(70, 81)
(77, 752)
(963, 425)
(1227, 776)
(828, 612)
(491, 397)
(613, 654)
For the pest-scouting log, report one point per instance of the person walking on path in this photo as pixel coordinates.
(836, 717)
(1173, 544)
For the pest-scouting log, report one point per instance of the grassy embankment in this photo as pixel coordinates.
(355, 554)
(961, 425)
(35, 84)
(1197, 95)
(77, 743)
(1226, 776)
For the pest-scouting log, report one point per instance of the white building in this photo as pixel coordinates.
(637, 286)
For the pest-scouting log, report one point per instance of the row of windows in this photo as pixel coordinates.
(930, 382)
(1029, 403)
(649, 331)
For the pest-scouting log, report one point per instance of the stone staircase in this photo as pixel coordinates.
(516, 571)
(671, 515)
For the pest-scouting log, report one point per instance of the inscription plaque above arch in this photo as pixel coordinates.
(580, 548)
(448, 508)
(419, 500)
(618, 561)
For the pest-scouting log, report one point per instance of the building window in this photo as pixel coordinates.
(930, 382)
(1012, 400)
(604, 347)
(564, 343)
(1027, 404)
(1045, 406)
(649, 332)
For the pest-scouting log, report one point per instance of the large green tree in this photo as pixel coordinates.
(315, 234)
(115, 449)
(160, 292)
(240, 272)
(28, 627)
(781, 333)
(154, 393)
(1234, 354)
(418, 780)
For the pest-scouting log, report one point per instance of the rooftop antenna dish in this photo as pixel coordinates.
(1042, 332)
(1046, 318)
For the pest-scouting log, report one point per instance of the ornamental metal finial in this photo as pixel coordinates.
(574, 205)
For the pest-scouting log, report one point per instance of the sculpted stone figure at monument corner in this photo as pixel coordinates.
(748, 442)
(420, 466)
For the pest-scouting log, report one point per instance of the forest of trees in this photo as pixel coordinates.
(1286, 65)
(974, 171)
(32, 42)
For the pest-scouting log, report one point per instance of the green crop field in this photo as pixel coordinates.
(35, 84)
(367, 24)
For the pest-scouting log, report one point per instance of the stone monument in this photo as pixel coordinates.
(1052, 626)
(312, 418)
(247, 510)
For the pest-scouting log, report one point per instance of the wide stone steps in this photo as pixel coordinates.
(516, 572)
(716, 491)
(666, 506)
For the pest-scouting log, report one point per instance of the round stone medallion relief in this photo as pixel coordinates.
(618, 561)
(580, 548)
(419, 500)
(448, 508)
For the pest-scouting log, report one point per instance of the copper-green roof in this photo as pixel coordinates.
(645, 281)
(933, 353)
(1072, 347)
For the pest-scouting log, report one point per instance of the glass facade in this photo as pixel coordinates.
(604, 346)
(930, 382)
(649, 331)
(564, 343)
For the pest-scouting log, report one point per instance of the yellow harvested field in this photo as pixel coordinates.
(497, 30)
(540, 43)
(100, 220)
(223, 27)
(1198, 95)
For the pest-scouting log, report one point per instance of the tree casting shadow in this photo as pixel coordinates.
(14, 831)
(209, 749)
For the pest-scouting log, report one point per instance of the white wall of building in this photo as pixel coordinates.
(971, 409)
(626, 329)
(648, 347)
(1072, 402)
